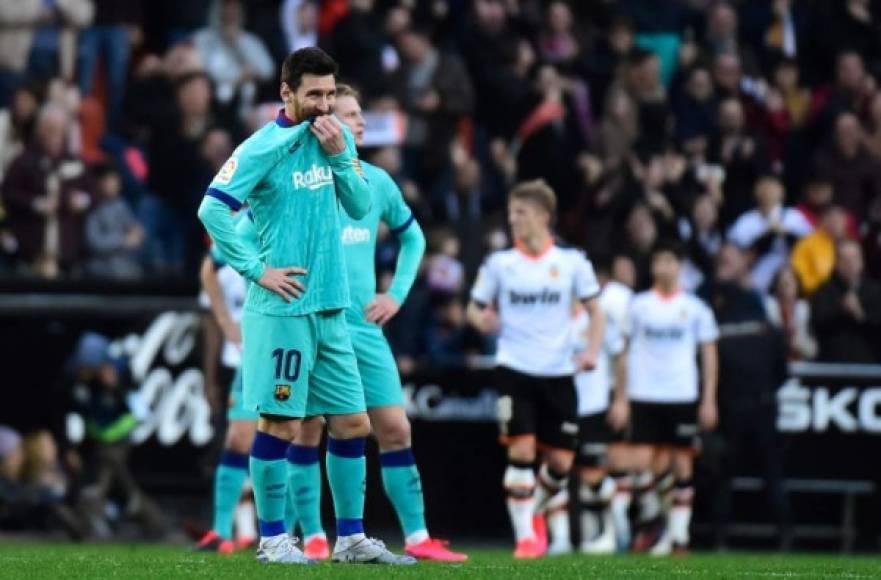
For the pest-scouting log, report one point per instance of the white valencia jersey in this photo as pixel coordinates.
(534, 296)
(234, 289)
(665, 332)
(594, 386)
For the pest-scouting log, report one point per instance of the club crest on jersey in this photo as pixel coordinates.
(224, 176)
(282, 392)
(554, 272)
(315, 178)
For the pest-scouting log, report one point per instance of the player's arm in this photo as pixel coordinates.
(587, 289)
(339, 147)
(619, 412)
(227, 192)
(709, 410)
(708, 334)
(211, 286)
(402, 223)
(480, 312)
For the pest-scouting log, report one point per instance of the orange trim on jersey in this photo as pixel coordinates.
(666, 297)
(521, 247)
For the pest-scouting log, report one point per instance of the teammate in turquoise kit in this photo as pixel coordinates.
(379, 374)
(225, 290)
(295, 172)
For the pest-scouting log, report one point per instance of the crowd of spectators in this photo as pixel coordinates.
(748, 127)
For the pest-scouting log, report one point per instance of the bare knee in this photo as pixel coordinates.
(683, 465)
(522, 449)
(560, 461)
(287, 429)
(310, 432)
(240, 436)
(392, 434)
(349, 426)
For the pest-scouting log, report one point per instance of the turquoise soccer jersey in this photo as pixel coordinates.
(359, 239)
(294, 191)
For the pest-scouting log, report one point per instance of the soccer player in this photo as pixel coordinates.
(225, 290)
(526, 294)
(596, 425)
(666, 328)
(298, 359)
(365, 317)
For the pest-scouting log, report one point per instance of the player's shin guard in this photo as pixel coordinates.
(558, 523)
(646, 495)
(519, 486)
(347, 473)
(680, 513)
(549, 484)
(403, 486)
(597, 527)
(304, 494)
(232, 471)
(269, 474)
(620, 508)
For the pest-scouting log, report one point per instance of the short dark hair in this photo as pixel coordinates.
(669, 246)
(307, 61)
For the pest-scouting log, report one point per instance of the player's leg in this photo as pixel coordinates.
(557, 432)
(679, 520)
(391, 428)
(337, 393)
(278, 352)
(516, 414)
(304, 489)
(595, 488)
(645, 437)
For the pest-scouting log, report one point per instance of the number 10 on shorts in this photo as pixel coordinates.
(287, 367)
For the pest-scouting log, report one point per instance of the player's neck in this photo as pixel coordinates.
(666, 290)
(535, 246)
(290, 113)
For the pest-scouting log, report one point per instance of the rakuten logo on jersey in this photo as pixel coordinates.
(528, 298)
(819, 409)
(315, 178)
(353, 236)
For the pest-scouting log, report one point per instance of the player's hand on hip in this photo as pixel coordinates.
(586, 361)
(279, 281)
(329, 133)
(619, 414)
(382, 309)
(708, 416)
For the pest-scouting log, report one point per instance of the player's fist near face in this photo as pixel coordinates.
(382, 309)
(329, 133)
(708, 416)
(280, 281)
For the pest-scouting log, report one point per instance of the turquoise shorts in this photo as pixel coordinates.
(237, 410)
(300, 366)
(379, 371)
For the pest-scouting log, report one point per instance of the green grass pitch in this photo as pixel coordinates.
(56, 561)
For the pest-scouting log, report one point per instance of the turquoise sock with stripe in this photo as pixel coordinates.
(347, 475)
(304, 488)
(230, 476)
(269, 474)
(403, 486)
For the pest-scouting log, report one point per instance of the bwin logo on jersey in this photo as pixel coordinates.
(355, 235)
(315, 178)
(544, 297)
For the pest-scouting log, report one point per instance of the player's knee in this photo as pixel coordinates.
(561, 461)
(393, 434)
(282, 428)
(350, 426)
(522, 450)
(240, 437)
(310, 432)
(683, 464)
